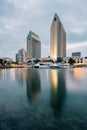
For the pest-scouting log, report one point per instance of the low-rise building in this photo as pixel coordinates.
(76, 55)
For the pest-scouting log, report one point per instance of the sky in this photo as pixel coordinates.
(18, 17)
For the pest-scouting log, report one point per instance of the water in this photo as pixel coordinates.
(40, 99)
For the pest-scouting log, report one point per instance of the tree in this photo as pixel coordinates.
(59, 59)
(1, 61)
(71, 61)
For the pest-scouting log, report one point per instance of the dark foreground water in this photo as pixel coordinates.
(43, 99)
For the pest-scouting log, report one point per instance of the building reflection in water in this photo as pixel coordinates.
(21, 75)
(7, 74)
(58, 90)
(12, 74)
(31, 78)
(33, 84)
(3, 73)
(78, 73)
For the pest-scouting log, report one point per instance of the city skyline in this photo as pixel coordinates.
(18, 17)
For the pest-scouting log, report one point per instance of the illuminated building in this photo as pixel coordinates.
(58, 39)
(33, 45)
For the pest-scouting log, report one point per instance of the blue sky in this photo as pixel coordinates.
(18, 17)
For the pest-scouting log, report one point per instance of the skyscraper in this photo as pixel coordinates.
(21, 56)
(58, 39)
(33, 45)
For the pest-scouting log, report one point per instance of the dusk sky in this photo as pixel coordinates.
(18, 17)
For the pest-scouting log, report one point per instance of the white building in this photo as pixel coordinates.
(58, 39)
(7, 59)
(21, 56)
(33, 45)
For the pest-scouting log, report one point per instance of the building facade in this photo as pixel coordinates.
(33, 45)
(76, 54)
(77, 57)
(16, 57)
(21, 56)
(58, 39)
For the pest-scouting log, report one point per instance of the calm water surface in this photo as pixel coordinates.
(41, 99)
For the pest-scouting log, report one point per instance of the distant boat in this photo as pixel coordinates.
(41, 65)
(54, 65)
(66, 66)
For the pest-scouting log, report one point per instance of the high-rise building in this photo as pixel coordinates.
(16, 57)
(21, 56)
(58, 39)
(33, 45)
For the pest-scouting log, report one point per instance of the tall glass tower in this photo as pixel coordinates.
(33, 45)
(58, 39)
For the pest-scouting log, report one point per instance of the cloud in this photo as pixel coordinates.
(18, 17)
(45, 49)
(6, 9)
(77, 47)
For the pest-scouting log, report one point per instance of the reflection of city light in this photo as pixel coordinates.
(22, 73)
(54, 78)
(47, 74)
(78, 73)
(4, 73)
(12, 74)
